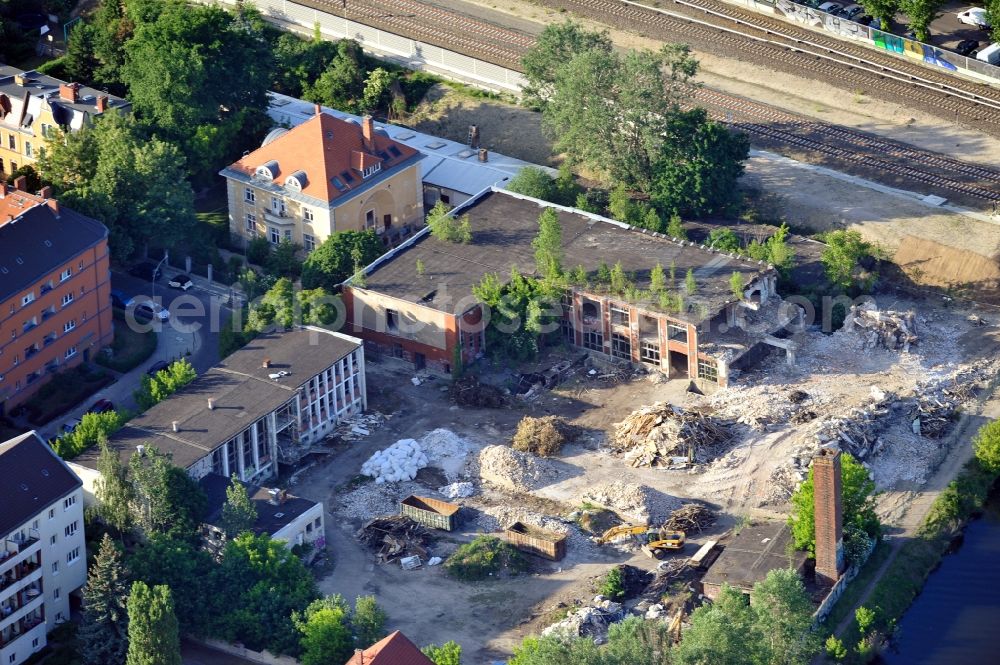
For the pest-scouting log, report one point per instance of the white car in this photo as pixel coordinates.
(831, 7)
(974, 16)
(181, 281)
(146, 308)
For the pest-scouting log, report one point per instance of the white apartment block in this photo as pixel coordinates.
(43, 556)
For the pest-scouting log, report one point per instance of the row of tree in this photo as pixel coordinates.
(921, 13)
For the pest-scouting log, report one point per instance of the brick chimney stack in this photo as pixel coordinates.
(21, 183)
(829, 519)
(367, 131)
(54, 206)
(69, 92)
(102, 103)
(3, 190)
(45, 192)
(318, 109)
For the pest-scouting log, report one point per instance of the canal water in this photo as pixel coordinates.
(956, 618)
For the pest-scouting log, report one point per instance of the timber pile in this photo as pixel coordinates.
(469, 391)
(689, 518)
(933, 413)
(652, 435)
(888, 329)
(394, 537)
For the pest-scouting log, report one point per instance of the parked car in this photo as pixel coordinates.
(147, 271)
(851, 11)
(811, 4)
(118, 298)
(990, 54)
(831, 7)
(974, 16)
(147, 309)
(181, 281)
(966, 47)
(865, 19)
(101, 406)
(157, 366)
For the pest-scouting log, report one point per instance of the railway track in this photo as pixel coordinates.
(505, 47)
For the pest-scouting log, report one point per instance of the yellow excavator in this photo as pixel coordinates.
(659, 542)
(622, 531)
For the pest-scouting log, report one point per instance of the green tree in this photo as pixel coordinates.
(619, 282)
(548, 245)
(690, 283)
(722, 633)
(326, 637)
(152, 627)
(865, 618)
(675, 229)
(843, 260)
(282, 260)
(168, 500)
(449, 653)
(921, 13)
(333, 261)
(154, 389)
(103, 631)
(92, 428)
(621, 206)
(534, 182)
(698, 167)
(992, 8)
(657, 279)
(258, 586)
(612, 586)
(368, 621)
(342, 83)
(857, 491)
(883, 10)
(724, 240)
(299, 62)
(186, 568)
(376, 89)
(238, 512)
(447, 227)
(782, 612)
(736, 285)
(986, 445)
(113, 490)
(556, 45)
(775, 250)
(623, 136)
(259, 250)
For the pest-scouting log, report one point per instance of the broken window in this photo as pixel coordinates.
(649, 351)
(568, 333)
(708, 370)
(677, 333)
(391, 320)
(591, 312)
(619, 316)
(397, 351)
(621, 346)
(593, 341)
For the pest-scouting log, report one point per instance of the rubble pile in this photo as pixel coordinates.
(661, 434)
(400, 461)
(590, 621)
(935, 408)
(760, 404)
(373, 499)
(512, 470)
(639, 503)
(359, 426)
(689, 518)
(394, 537)
(446, 450)
(886, 329)
(460, 490)
(468, 391)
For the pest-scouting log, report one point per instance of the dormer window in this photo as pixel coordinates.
(372, 170)
(268, 170)
(296, 182)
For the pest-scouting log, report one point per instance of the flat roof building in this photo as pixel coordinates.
(750, 555)
(417, 301)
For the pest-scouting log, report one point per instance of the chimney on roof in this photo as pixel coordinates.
(266, 364)
(102, 103)
(473, 137)
(367, 131)
(484, 156)
(827, 487)
(21, 183)
(20, 79)
(45, 192)
(318, 109)
(69, 92)
(211, 403)
(176, 426)
(54, 206)
(140, 449)
(274, 497)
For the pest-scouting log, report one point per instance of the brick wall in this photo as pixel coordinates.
(829, 518)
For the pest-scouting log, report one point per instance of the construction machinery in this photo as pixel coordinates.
(660, 543)
(622, 531)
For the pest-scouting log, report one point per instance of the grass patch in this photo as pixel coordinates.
(484, 557)
(856, 588)
(64, 391)
(918, 557)
(129, 348)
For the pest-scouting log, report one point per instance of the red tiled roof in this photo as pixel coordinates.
(324, 147)
(13, 202)
(393, 650)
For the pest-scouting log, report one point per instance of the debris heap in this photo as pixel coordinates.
(470, 392)
(886, 329)
(662, 434)
(394, 537)
(513, 470)
(638, 503)
(590, 622)
(400, 461)
(689, 518)
(935, 411)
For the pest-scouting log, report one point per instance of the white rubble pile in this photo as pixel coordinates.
(513, 470)
(590, 621)
(636, 502)
(886, 329)
(460, 490)
(360, 426)
(759, 404)
(373, 500)
(446, 450)
(400, 461)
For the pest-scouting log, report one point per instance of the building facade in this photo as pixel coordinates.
(43, 556)
(55, 308)
(34, 106)
(267, 403)
(430, 317)
(325, 175)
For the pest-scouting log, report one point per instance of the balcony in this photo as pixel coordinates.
(49, 339)
(279, 217)
(22, 627)
(30, 352)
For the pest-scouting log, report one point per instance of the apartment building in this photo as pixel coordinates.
(266, 404)
(322, 176)
(55, 308)
(43, 556)
(424, 316)
(33, 105)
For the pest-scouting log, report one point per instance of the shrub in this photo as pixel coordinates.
(612, 587)
(484, 557)
(258, 249)
(542, 436)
